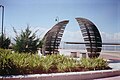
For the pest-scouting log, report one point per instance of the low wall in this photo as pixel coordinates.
(65, 76)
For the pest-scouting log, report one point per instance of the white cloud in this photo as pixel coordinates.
(108, 37)
(73, 36)
(40, 33)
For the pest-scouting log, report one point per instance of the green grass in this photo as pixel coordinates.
(25, 63)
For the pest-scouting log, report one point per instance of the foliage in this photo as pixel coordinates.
(26, 41)
(15, 63)
(27, 63)
(4, 42)
(94, 63)
(6, 62)
(58, 63)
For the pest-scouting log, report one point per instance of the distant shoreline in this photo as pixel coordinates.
(106, 52)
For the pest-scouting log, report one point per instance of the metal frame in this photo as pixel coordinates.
(91, 36)
(89, 31)
(2, 24)
(52, 38)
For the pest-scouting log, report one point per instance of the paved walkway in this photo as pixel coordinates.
(114, 62)
(110, 78)
(113, 59)
(111, 56)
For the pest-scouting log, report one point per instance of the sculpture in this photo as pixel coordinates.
(91, 37)
(52, 38)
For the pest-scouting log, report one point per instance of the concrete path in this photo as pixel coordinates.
(109, 78)
(114, 62)
(113, 59)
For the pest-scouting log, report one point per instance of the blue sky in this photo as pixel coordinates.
(41, 14)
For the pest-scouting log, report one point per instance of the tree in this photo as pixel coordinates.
(4, 42)
(26, 41)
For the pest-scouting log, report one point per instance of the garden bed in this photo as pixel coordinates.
(25, 63)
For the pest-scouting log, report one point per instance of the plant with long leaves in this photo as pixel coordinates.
(4, 42)
(26, 41)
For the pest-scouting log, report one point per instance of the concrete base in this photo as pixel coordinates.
(65, 76)
(78, 55)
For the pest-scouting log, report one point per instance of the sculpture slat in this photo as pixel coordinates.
(53, 37)
(91, 37)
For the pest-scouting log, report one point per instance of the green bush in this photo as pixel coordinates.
(94, 63)
(56, 62)
(24, 62)
(18, 63)
(15, 63)
(4, 42)
(26, 41)
(6, 63)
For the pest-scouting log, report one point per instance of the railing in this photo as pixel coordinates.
(81, 46)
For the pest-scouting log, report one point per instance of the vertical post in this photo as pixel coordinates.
(2, 22)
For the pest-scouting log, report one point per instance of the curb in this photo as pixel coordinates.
(65, 76)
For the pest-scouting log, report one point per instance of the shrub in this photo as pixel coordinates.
(26, 41)
(67, 65)
(93, 63)
(4, 42)
(27, 63)
(16, 63)
(6, 63)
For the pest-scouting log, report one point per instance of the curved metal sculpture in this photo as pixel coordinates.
(53, 37)
(91, 36)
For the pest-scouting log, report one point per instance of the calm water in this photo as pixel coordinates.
(82, 47)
